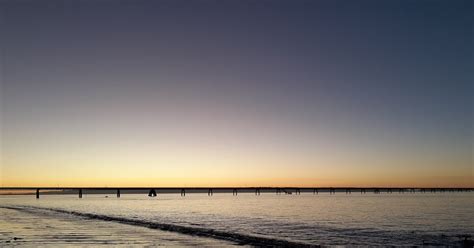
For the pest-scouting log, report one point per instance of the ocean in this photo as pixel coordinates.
(409, 219)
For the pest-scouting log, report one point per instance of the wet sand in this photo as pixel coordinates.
(45, 228)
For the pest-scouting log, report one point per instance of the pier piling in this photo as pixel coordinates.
(152, 193)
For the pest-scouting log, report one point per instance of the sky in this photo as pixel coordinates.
(236, 93)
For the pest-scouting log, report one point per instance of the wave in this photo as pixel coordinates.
(240, 239)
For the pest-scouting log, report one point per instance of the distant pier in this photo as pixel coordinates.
(155, 191)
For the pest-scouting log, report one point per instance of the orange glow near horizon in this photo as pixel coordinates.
(237, 164)
(249, 176)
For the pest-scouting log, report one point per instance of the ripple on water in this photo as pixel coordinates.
(54, 229)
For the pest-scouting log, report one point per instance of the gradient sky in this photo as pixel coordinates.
(236, 93)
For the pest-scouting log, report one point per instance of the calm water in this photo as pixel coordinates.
(223, 219)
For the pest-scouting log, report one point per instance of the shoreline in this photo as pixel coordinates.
(246, 220)
(47, 228)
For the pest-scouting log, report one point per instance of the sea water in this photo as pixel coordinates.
(225, 220)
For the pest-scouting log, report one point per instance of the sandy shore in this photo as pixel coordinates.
(44, 228)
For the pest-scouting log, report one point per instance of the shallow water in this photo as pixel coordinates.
(223, 219)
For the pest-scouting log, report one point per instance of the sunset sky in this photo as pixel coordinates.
(236, 93)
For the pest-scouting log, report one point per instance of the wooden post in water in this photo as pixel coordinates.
(257, 191)
(37, 193)
(152, 193)
(80, 193)
(118, 193)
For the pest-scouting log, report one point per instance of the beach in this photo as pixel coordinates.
(46, 228)
(224, 220)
